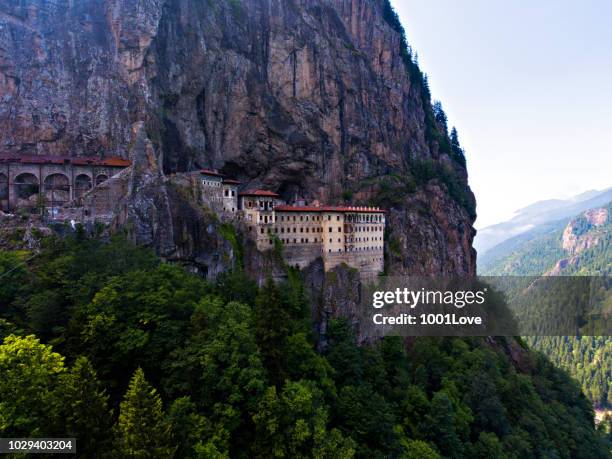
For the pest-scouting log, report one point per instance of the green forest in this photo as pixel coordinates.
(134, 357)
(588, 359)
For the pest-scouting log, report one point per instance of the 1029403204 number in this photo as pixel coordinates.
(37, 445)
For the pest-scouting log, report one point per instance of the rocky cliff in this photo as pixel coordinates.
(582, 235)
(314, 98)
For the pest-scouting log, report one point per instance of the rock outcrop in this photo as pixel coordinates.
(578, 235)
(581, 234)
(316, 99)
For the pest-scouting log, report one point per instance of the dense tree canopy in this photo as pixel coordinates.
(148, 360)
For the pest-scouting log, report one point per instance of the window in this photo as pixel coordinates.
(339, 229)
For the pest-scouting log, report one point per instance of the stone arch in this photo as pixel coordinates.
(101, 178)
(56, 189)
(82, 184)
(26, 189)
(3, 187)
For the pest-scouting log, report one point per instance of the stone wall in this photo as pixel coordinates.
(301, 255)
(22, 185)
(369, 263)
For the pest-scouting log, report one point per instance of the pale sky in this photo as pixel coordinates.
(528, 85)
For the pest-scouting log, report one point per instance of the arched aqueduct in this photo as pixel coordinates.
(32, 182)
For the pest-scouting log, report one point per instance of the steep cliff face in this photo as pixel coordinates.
(581, 233)
(312, 98)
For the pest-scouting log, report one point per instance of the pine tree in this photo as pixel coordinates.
(272, 327)
(440, 115)
(142, 429)
(455, 139)
(88, 417)
(458, 152)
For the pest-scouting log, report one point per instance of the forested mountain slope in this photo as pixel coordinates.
(148, 360)
(322, 99)
(582, 247)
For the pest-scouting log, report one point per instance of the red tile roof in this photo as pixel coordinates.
(287, 208)
(231, 182)
(114, 162)
(84, 161)
(354, 209)
(46, 159)
(265, 193)
(211, 172)
(79, 161)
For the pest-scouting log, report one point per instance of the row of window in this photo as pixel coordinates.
(367, 229)
(269, 205)
(314, 218)
(339, 218)
(307, 229)
(363, 239)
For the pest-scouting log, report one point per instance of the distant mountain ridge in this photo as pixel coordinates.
(496, 241)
